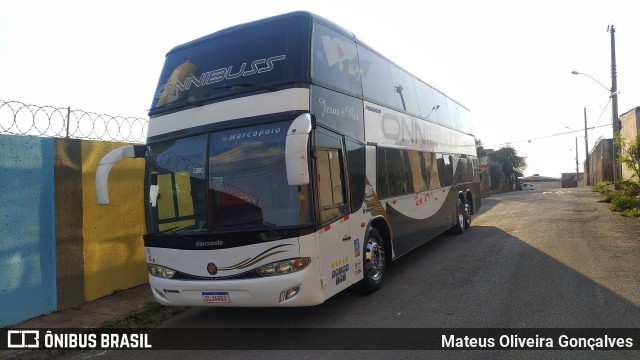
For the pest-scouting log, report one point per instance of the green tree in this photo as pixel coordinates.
(629, 153)
(480, 148)
(512, 164)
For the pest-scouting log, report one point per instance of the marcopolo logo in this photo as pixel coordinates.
(251, 134)
(212, 268)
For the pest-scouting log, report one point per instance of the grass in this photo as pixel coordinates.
(149, 316)
(625, 200)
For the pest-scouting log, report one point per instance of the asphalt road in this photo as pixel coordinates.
(532, 259)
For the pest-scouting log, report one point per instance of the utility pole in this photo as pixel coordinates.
(577, 167)
(587, 169)
(614, 105)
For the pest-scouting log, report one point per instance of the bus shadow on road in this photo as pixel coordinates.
(483, 278)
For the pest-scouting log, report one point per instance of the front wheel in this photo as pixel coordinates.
(374, 262)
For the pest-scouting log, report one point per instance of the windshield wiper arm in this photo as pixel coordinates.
(245, 85)
(171, 231)
(181, 101)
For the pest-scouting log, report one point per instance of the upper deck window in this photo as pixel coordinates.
(335, 61)
(244, 58)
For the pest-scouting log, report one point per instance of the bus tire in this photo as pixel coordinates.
(461, 219)
(467, 215)
(374, 262)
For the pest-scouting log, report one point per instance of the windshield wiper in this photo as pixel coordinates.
(246, 85)
(191, 100)
(273, 233)
(175, 103)
(171, 231)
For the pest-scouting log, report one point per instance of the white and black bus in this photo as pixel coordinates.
(286, 161)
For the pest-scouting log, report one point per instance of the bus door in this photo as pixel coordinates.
(336, 240)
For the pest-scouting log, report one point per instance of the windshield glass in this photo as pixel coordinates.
(242, 58)
(247, 183)
(248, 180)
(179, 167)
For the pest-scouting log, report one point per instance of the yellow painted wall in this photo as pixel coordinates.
(113, 247)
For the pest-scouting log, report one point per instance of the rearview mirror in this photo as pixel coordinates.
(104, 167)
(296, 151)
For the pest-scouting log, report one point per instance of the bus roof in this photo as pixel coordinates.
(277, 18)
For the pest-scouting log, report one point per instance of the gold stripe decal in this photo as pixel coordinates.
(263, 255)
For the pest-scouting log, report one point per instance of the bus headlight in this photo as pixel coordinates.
(160, 271)
(284, 267)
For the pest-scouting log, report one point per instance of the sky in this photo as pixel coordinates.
(509, 62)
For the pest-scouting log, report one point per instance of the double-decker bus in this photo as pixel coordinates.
(286, 160)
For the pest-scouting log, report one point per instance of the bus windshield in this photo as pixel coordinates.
(244, 187)
(259, 56)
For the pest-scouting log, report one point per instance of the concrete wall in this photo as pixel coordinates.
(27, 229)
(113, 247)
(630, 126)
(68, 208)
(58, 248)
(601, 162)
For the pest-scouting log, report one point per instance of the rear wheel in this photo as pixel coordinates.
(374, 261)
(461, 217)
(468, 211)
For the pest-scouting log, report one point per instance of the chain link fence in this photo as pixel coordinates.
(17, 118)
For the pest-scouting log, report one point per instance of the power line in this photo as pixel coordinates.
(544, 137)
(605, 107)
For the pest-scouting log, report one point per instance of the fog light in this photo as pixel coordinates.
(288, 294)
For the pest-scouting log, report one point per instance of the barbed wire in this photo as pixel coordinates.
(18, 118)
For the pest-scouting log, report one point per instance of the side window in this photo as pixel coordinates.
(445, 168)
(381, 174)
(476, 168)
(356, 161)
(395, 171)
(331, 189)
(408, 173)
(465, 119)
(377, 83)
(426, 101)
(431, 163)
(424, 169)
(335, 61)
(404, 86)
(454, 116)
(460, 175)
(442, 110)
(418, 172)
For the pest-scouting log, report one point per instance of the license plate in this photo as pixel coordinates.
(216, 297)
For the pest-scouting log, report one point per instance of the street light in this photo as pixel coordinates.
(592, 78)
(613, 94)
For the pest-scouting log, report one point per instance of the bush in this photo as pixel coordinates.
(635, 212)
(621, 202)
(626, 200)
(604, 188)
(629, 187)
